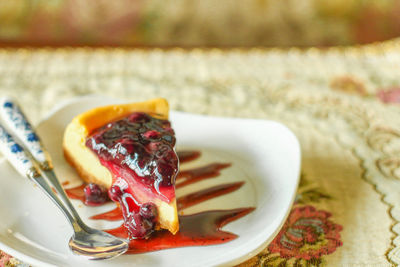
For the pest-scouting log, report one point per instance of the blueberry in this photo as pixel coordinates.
(168, 138)
(151, 134)
(139, 117)
(149, 211)
(139, 227)
(115, 193)
(95, 194)
(170, 130)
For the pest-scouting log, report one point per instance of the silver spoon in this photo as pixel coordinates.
(86, 241)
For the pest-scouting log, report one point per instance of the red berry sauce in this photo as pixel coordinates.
(195, 175)
(199, 229)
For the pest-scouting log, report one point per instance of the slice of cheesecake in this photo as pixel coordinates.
(129, 149)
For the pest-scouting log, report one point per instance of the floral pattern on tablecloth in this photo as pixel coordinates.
(390, 95)
(8, 261)
(353, 85)
(307, 235)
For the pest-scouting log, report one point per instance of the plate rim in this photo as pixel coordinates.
(232, 261)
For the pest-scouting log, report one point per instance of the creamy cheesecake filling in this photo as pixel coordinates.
(139, 152)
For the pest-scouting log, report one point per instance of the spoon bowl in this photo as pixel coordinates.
(97, 245)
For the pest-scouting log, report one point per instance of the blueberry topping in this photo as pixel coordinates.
(152, 135)
(148, 211)
(95, 194)
(140, 143)
(138, 226)
(115, 193)
(139, 117)
(138, 147)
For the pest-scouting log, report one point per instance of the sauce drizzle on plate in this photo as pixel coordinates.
(199, 229)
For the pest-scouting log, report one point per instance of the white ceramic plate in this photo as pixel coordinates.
(264, 154)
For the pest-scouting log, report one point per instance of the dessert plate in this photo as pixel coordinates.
(264, 154)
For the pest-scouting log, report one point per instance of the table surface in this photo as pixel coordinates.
(342, 103)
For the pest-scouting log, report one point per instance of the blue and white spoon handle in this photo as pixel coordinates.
(15, 119)
(25, 165)
(16, 155)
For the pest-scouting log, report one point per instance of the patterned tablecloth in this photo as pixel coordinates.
(343, 104)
